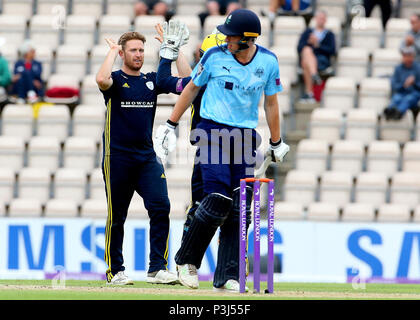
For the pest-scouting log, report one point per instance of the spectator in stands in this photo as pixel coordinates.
(289, 6)
(405, 84)
(219, 7)
(27, 82)
(316, 47)
(5, 76)
(412, 37)
(386, 9)
(151, 7)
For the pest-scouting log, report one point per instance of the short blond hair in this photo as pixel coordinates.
(130, 36)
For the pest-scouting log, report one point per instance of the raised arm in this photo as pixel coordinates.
(103, 77)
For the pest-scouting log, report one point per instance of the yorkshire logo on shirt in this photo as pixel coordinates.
(259, 72)
(150, 85)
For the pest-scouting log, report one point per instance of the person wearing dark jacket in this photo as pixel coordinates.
(405, 84)
(316, 47)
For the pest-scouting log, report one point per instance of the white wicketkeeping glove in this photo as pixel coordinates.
(185, 34)
(165, 140)
(173, 35)
(277, 151)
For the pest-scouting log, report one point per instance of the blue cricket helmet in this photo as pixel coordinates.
(241, 22)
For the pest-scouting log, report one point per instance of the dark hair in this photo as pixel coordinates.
(130, 36)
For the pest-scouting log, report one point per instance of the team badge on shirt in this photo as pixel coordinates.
(200, 69)
(150, 85)
(259, 72)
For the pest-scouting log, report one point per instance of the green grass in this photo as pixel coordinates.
(96, 290)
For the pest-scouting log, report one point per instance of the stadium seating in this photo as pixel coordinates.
(288, 210)
(300, 186)
(58, 81)
(371, 188)
(47, 7)
(97, 185)
(94, 209)
(393, 213)
(405, 188)
(336, 8)
(45, 55)
(54, 121)
(89, 91)
(91, 7)
(11, 152)
(411, 156)
(17, 120)
(365, 33)
(70, 183)
(27, 207)
(44, 152)
(22, 7)
(374, 94)
(79, 152)
(13, 28)
(396, 29)
(7, 181)
(383, 156)
(384, 62)
(288, 62)
(326, 124)
(113, 26)
(61, 208)
(352, 62)
(34, 183)
(311, 155)
(121, 7)
(347, 155)
(400, 130)
(336, 187)
(358, 212)
(80, 30)
(339, 93)
(88, 121)
(323, 211)
(361, 125)
(71, 59)
(408, 7)
(43, 31)
(288, 31)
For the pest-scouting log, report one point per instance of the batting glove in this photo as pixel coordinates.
(165, 139)
(174, 35)
(277, 150)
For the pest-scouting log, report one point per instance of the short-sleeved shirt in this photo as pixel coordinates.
(234, 89)
(131, 107)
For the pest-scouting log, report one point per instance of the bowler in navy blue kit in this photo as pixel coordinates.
(129, 162)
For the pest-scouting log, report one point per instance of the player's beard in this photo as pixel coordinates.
(130, 64)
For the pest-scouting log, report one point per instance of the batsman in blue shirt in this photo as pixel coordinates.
(129, 161)
(236, 73)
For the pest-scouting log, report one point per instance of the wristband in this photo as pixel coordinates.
(171, 124)
(275, 144)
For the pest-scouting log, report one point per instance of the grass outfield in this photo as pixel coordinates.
(97, 290)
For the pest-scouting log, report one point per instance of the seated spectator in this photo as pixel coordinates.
(405, 84)
(412, 37)
(26, 80)
(151, 7)
(219, 7)
(386, 9)
(5, 76)
(316, 47)
(290, 6)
